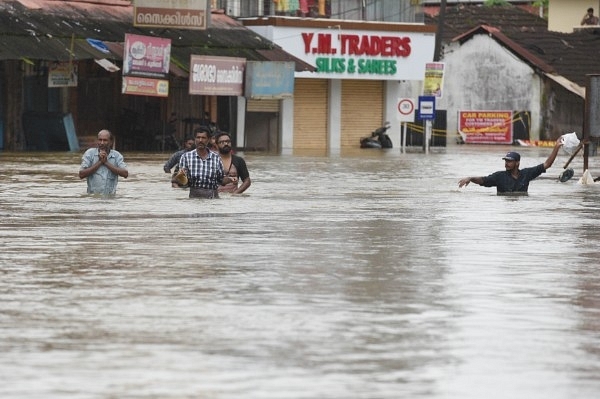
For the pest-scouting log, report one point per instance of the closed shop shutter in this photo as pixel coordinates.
(310, 114)
(362, 110)
(262, 106)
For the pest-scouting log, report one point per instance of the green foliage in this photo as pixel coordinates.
(544, 4)
(495, 3)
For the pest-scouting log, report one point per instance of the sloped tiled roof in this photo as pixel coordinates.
(461, 18)
(515, 47)
(571, 55)
(57, 30)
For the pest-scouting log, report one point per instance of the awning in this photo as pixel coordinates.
(72, 31)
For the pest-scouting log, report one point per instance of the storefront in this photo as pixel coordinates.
(360, 67)
(90, 88)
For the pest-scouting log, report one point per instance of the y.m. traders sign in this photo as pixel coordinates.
(358, 54)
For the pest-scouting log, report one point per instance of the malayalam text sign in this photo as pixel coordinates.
(486, 127)
(216, 76)
(180, 14)
(145, 87)
(146, 56)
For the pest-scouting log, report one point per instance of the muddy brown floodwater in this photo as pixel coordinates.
(362, 275)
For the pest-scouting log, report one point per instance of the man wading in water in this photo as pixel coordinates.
(102, 166)
(235, 166)
(513, 179)
(204, 168)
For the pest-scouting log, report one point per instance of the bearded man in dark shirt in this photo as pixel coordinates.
(513, 179)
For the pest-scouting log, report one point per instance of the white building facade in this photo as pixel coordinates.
(363, 69)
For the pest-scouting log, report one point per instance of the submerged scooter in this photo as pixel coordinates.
(378, 138)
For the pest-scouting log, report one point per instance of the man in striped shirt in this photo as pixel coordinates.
(204, 168)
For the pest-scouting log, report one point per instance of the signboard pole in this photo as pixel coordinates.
(428, 127)
(403, 137)
(591, 120)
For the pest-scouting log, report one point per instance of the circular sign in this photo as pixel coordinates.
(138, 50)
(406, 106)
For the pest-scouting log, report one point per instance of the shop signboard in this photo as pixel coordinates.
(269, 80)
(145, 86)
(179, 14)
(355, 53)
(146, 56)
(62, 74)
(146, 61)
(216, 76)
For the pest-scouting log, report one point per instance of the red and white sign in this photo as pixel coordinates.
(486, 127)
(406, 110)
(355, 53)
(146, 56)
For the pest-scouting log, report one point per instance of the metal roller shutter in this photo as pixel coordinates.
(262, 106)
(362, 110)
(310, 114)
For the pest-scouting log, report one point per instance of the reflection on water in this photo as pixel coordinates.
(366, 275)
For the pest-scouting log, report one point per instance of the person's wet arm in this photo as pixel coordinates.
(88, 167)
(243, 175)
(465, 182)
(244, 186)
(550, 160)
(174, 160)
(119, 167)
(117, 170)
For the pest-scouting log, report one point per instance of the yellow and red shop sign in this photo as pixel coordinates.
(486, 127)
(145, 86)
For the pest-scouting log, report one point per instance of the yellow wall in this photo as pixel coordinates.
(564, 15)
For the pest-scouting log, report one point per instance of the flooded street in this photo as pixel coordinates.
(362, 275)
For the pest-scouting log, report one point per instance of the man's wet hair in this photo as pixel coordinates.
(221, 133)
(202, 129)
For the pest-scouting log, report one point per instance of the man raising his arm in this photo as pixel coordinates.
(513, 179)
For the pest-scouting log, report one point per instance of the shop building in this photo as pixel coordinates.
(62, 62)
(362, 70)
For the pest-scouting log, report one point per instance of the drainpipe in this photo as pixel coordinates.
(437, 53)
(363, 11)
